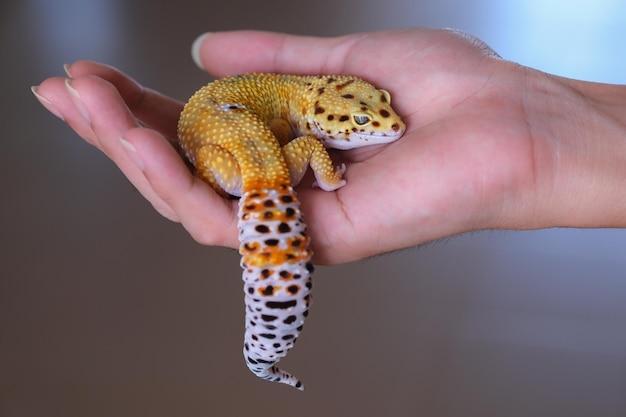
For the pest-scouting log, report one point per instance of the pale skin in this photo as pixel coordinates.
(489, 144)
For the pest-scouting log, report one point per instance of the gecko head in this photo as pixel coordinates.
(349, 113)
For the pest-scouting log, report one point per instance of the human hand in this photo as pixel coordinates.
(487, 142)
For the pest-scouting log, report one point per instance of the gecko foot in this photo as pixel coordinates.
(337, 183)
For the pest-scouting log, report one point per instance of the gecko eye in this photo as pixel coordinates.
(361, 119)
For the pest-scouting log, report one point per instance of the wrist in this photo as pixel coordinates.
(578, 135)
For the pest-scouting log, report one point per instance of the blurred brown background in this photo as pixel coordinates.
(106, 309)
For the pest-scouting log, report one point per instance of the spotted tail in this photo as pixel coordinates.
(277, 278)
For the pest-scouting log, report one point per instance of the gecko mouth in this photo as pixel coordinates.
(360, 140)
(377, 139)
(380, 138)
(355, 140)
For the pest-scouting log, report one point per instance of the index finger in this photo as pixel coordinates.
(228, 53)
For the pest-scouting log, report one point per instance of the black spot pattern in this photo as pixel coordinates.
(269, 290)
(268, 317)
(281, 305)
(261, 228)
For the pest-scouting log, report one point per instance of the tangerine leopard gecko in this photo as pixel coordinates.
(253, 136)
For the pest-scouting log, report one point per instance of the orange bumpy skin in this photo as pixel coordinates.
(254, 136)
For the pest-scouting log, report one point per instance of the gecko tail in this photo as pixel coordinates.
(277, 270)
(285, 378)
(274, 374)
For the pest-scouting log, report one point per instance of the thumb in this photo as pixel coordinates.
(228, 53)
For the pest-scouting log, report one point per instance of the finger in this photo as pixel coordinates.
(152, 108)
(209, 218)
(382, 58)
(53, 94)
(227, 53)
(104, 110)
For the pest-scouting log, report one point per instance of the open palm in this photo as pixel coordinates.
(467, 148)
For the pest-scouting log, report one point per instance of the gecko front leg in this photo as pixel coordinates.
(308, 150)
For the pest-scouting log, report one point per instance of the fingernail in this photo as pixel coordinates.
(66, 68)
(77, 100)
(195, 49)
(45, 102)
(131, 151)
